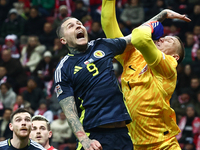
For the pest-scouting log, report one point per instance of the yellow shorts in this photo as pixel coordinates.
(169, 144)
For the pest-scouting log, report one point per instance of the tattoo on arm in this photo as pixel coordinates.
(70, 110)
(160, 17)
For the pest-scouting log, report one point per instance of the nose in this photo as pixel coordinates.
(23, 123)
(78, 26)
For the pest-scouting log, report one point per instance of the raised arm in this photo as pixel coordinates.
(70, 110)
(109, 21)
(167, 13)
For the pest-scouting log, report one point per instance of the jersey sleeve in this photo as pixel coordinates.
(63, 86)
(111, 27)
(108, 20)
(141, 39)
(117, 45)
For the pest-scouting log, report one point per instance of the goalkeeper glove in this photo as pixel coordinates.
(156, 29)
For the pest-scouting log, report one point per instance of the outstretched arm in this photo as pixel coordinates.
(69, 108)
(108, 19)
(167, 13)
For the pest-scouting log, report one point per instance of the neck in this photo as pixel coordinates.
(77, 50)
(47, 146)
(19, 143)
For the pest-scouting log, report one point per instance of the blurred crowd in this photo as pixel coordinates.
(30, 51)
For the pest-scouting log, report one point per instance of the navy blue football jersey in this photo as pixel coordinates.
(90, 78)
(6, 145)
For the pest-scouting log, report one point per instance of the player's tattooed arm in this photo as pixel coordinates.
(160, 17)
(70, 110)
(167, 13)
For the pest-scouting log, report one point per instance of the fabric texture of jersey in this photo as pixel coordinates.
(90, 78)
(6, 145)
(148, 81)
(110, 138)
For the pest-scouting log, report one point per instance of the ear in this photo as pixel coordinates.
(63, 41)
(50, 134)
(11, 126)
(176, 56)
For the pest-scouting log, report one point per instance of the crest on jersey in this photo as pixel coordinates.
(99, 54)
(58, 90)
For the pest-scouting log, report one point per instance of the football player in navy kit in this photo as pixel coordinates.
(88, 91)
(21, 125)
(41, 131)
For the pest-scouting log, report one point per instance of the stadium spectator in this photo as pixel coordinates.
(5, 132)
(33, 94)
(4, 78)
(195, 16)
(133, 14)
(188, 127)
(14, 68)
(196, 64)
(80, 10)
(63, 12)
(12, 25)
(21, 103)
(35, 23)
(190, 46)
(48, 36)
(156, 8)
(183, 79)
(58, 51)
(44, 111)
(32, 54)
(61, 130)
(7, 95)
(96, 31)
(45, 7)
(194, 87)
(4, 9)
(44, 70)
(180, 104)
(11, 45)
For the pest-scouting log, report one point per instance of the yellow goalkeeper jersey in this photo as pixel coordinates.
(148, 81)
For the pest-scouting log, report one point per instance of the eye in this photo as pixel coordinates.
(28, 120)
(43, 128)
(70, 26)
(18, 120)
(34, 128)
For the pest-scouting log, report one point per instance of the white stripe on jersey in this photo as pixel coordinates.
(58, 70)
(35, 144)
(3, 143)
(163, 55)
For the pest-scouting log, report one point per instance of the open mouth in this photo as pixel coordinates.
(24, 129)
(80, 35)
(38, 137)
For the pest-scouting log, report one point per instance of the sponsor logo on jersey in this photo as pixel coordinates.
(99, 54)
(76, 69)
(89, 61)
(58, 90)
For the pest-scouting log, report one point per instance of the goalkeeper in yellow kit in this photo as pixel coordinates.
(149, 78)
